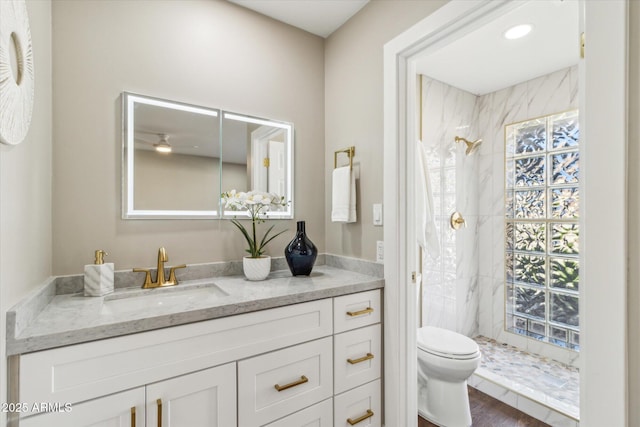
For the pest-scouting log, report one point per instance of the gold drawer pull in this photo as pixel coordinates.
(302, 380)
(369, 414)
(133, 416)
(361, 312)
(159, 403)
(369, 356)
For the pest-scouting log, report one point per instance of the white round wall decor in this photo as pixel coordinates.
(16, 72)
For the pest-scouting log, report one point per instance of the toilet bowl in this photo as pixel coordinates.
(446, 359)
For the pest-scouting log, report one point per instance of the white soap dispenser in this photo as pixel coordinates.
(98, 277)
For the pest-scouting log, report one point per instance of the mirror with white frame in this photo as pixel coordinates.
(178, 159)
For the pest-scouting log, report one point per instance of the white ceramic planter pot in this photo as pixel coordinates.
(256, 268)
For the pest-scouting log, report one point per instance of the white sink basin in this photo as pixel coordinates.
(177, 297)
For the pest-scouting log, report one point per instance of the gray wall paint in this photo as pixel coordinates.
(634, 212)
(209, 53)
(354, 112)
(25, 190)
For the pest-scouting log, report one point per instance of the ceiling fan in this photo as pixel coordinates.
(162, 145)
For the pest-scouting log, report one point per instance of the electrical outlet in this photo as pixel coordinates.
(380, 251)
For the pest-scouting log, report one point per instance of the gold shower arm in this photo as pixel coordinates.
(471, 145)
(465, 140)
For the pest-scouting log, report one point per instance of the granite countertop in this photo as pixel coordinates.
(73, 318)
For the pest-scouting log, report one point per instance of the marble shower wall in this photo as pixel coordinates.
(553, 93)
(450, 281)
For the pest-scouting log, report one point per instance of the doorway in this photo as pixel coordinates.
(604, 254)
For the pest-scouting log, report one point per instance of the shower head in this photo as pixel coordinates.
(471, 146)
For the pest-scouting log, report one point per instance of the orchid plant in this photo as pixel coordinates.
(256, 204)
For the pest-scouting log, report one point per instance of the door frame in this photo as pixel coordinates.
(603, 120)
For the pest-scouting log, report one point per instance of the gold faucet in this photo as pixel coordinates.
(160, 277)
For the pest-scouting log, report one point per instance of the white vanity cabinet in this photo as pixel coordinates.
(281, 367)
(358, 360)
(116, 410)
(203, 398)
(279, 383)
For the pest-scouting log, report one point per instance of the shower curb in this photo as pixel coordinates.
(497, 387)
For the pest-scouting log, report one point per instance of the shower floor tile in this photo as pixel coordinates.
(543, 381)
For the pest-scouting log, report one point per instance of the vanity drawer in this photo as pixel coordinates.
(358, 357)
(361, 407)
(356, 310)
(318, 415)
(86, 371)
(279, 383)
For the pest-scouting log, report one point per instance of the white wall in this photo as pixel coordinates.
(202, 52)
(25, 190)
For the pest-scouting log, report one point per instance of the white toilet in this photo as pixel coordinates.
(446, 359)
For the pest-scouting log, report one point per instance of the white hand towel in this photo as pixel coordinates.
(425, 219)
(343, 195)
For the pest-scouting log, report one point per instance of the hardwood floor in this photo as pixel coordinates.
(489, 412)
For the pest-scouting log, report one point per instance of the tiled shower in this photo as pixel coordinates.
(464, 288)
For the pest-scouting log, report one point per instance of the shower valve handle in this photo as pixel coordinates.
(457, 221)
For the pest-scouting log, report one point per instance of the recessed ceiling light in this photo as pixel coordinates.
(518, 31)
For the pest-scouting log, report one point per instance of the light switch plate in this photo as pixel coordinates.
(377, 214)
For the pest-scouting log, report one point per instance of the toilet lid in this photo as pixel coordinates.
(446, 343)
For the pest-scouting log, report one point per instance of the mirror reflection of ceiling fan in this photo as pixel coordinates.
(162, 145)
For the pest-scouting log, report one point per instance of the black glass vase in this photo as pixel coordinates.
(301, 253)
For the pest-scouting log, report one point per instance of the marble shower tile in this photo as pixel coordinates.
(485, 184)
(549, 94)
(544, 414)
(512, 339)
(467, 184)
(467, 301)
(498, 184)
(575, 87)
(485, 313)
(543, 388)
(509, 106)
(467, 249)
(538, 378)
(498, 309)
(562, 355)
(492, 389)
(485, 248)
(486, 123)
(465, 111)
(497, 248)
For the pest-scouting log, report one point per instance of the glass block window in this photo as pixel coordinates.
(542, 236)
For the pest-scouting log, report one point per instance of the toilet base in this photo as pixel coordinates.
(445, 404)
